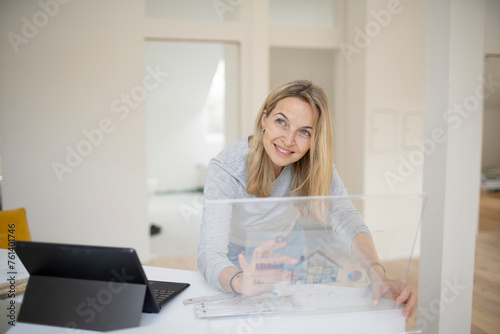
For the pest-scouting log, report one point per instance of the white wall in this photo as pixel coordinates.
(385, 77)
(192, 10)
(311, 64)
(395, 96)
(69, 75)
(353, 133)
(310, 13)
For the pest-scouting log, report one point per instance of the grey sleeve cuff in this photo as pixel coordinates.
(212, 268)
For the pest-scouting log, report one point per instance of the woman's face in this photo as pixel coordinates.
(288, 131)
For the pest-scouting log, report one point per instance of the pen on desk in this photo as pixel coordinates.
(20, 288)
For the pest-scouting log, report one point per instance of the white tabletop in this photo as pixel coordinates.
(175, 317)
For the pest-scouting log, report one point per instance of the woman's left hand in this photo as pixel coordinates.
(397, 290)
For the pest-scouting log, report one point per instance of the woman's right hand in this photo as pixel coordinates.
(264, 269)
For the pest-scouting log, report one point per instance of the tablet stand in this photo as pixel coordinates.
(84, 304)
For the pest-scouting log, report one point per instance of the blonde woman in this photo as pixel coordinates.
(289, 154)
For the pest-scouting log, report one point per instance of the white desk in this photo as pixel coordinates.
(175, 317)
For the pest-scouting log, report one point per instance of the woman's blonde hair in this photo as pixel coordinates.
(312, 174)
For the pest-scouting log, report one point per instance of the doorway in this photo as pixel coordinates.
(191, 117)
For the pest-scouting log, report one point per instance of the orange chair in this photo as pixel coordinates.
(13, 227)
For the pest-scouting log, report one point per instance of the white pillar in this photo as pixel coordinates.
(254, 62)
(353, 160)
(455, 35)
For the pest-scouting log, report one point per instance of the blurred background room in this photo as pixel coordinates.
(111, 110)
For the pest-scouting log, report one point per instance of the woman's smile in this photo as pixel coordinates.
(283, 151)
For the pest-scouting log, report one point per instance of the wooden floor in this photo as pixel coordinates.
(486, 293)
(486, 290)
(184, 263)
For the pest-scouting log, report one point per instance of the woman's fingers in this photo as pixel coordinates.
(411, 303)
(279, 258)
(404, 293)
(376, 295)
(267, 249)
(245, 266)
(378, 289)
(400, 291)
(266, 267)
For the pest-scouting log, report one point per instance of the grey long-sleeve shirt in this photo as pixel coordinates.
(224, 223)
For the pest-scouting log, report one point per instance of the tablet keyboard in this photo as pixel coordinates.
(164, 291)
(162, 295)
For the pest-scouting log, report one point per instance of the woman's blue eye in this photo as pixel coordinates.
(280, 121)
(305, 132)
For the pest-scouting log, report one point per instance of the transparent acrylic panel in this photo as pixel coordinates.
(194, 10)
(298, 255)
(300, 13)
